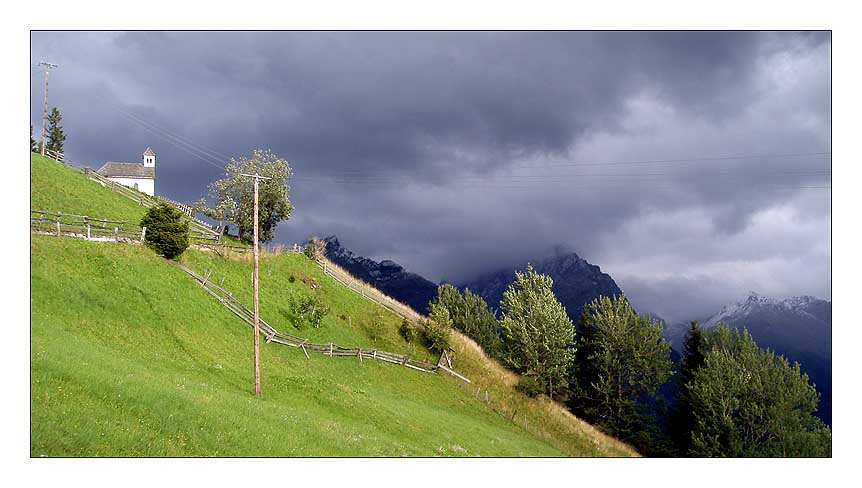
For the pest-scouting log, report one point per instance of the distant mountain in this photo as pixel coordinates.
(799, 328)
(387, 276)
(576, 283)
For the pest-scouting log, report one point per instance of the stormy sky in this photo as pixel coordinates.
(692, 167)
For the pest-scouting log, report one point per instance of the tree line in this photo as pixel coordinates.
(731, 398)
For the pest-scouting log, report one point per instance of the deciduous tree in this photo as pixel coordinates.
(234, 194)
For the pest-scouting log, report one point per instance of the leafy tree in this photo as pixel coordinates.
(538, 333)
(56, 135)
(314, 249)
(234, 194)
(471, 315)
(625, 361)
(436, 329)
(747, 401)
(682, 418)
(310, 310)
(167, 231)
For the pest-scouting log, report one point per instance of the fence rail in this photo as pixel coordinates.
(55, 155)
(73, 225)
(197, 225)
(329, 349)
(367, 291)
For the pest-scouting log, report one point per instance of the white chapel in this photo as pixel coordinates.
(140, 176)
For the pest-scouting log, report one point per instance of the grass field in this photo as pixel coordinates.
(130, 357)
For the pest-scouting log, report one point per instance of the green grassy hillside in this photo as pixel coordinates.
(130, 357)
(58, 188)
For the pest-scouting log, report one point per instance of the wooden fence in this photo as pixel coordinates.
(56, 156)
(84, 226)
(367, 291)
(330, 349)
(203, 229)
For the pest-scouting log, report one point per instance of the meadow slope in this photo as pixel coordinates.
(130, 357)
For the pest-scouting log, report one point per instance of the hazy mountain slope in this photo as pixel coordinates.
(387, 276)
(576, 282)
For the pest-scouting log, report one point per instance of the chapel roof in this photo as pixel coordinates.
(127, 170)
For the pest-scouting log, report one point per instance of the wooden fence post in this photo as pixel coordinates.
(116, 234)
(88, 230)
(58, 226)
(143, 233)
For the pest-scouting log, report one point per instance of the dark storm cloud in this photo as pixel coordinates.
(448, 152)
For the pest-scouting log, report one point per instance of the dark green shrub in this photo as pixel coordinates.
(167, 232)
(529, 386)
(407, 330)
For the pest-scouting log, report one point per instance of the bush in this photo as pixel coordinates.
(529, 386)
(436, 329)
(310, 309)
(314, 249)
(407, 330)
(167, 232)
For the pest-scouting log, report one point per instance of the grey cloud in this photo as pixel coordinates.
(442, 150)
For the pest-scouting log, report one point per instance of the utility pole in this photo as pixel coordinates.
(255, 285)
(48, 67)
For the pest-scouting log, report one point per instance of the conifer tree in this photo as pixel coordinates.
(682, 418)
(747, 401)
(56, 135)
(538, 333)
(33, 146)
(471, 315)
(625, 360)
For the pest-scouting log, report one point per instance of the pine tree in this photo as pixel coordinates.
(681, 418)
(56, 135)
(747, 401)
(33, 146)
(471, 315)
(624, 359)
(538, 334)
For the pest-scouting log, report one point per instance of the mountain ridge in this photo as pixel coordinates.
(576, 282)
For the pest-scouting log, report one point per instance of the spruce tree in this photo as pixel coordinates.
(625, 360)
(538, 333)
(167, 231)
(748, 402)
(471, 315)
(56, 135)
(682, 418)
(33, 146)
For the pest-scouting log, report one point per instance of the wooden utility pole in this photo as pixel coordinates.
(48, 67)
(255, 285)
